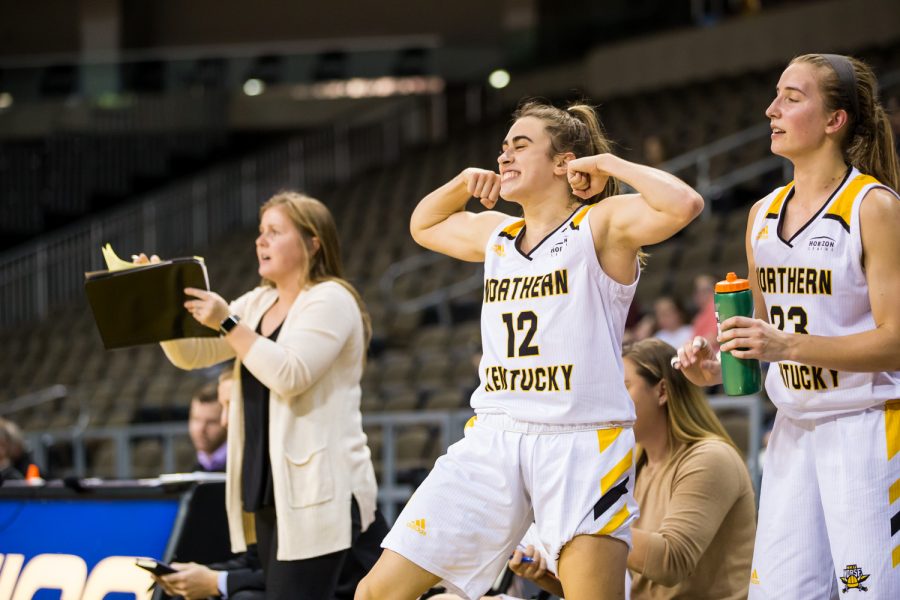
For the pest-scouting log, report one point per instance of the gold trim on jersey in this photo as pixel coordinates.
(775, 206)
(841, 209)
(512, 230)
(579, 216)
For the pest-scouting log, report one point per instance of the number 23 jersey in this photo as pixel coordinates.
(814, 283)
(551, 327)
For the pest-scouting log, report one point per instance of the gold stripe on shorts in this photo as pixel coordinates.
(616, 472)
(892, 427)
(606, 437)
(619, 518)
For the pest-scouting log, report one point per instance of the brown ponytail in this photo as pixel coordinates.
(577, 130)
(868, 143)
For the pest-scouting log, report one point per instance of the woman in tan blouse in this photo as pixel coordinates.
(694, 536)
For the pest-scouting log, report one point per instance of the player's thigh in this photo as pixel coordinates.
(589, 563)
(395, 577)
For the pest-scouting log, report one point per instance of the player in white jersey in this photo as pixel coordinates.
(552, 441)
(822, 254)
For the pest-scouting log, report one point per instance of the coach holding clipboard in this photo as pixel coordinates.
(298, 462)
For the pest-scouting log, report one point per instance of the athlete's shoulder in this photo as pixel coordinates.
(880, 204)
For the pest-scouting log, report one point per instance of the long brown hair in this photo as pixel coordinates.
(577, 129)
(688, 415)
(313, 220)
(868, 143)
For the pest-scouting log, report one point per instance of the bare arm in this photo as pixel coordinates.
(759, 303)
(877, 349)
(441, 223)
(535, 570)
(623, 224)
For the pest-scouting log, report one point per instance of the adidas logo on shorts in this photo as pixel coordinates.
(418, 526)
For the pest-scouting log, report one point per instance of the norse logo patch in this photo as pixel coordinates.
(853, 579)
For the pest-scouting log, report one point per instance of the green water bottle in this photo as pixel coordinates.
(740, 376)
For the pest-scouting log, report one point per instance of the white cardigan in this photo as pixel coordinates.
(317, 446)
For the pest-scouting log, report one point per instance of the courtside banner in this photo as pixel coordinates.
(82, 546)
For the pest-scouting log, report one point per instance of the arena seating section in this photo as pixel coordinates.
(416, 362)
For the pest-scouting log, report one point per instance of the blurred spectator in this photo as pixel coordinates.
(637, 325)
(226, 380)
(671, 322)
(242, 578)
(694, 536)
(11, 448)
(654, 151)
(704, 323)
(206, 429)
(892, 107)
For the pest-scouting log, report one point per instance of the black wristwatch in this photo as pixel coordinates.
(228, 324)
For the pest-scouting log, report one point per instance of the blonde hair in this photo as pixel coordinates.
(688, 415)
(868, 143)
(577, 129)
(313, 220)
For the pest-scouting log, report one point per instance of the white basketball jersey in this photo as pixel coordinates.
(814, 283)
(551, 327)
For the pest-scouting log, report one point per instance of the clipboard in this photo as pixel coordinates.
(145, 304)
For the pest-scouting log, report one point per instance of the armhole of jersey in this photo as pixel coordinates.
(488, 247)
(587, 242)
(855, 225)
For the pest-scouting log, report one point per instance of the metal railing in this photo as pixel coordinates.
(391, 493)
(49, 272)
(439, 298)
(701, 158)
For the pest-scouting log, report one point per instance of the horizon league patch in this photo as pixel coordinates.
(821, 243)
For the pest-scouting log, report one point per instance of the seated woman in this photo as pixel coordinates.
(694, 536)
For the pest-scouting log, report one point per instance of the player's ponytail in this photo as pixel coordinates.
(849, 84)
(577, 130)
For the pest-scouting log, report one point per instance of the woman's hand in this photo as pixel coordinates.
(482, 184)
(192, 581)
(756, 338)
(698, 363)
(586, 177)
(141, 259)
(208, 308)
(534, 570)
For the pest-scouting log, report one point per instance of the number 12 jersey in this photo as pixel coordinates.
(551, 327)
